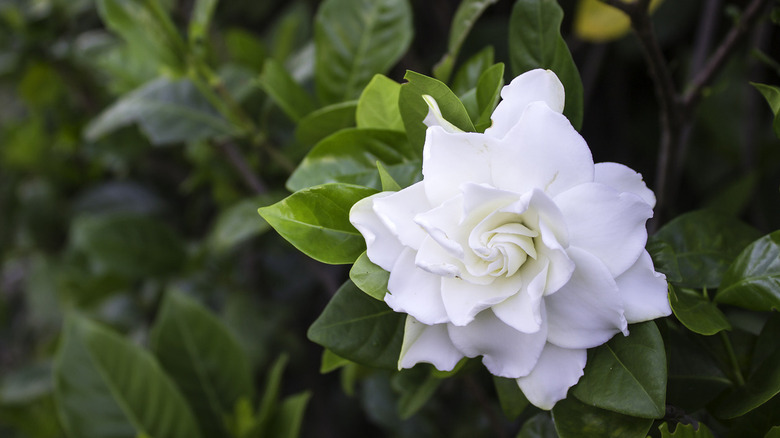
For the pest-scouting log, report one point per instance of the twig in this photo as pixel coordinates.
(237, 160)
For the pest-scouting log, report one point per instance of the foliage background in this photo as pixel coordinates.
(106, 222)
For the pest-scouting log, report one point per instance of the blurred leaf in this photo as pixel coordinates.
(686, 431)
(753, 279)
(114, 197)
(270, 400)
(145, 24)
(291, 97)
(416, 386)
(203, 358)
(466, 16)
(350, 156)
(369, 277)
(511, 398)
(697, 312)
(331, 361)
(772, 96)
(388, 183)
(703, 244)
(574, 419)
(200, 21)
(414, 109)
(378, 105)
(735, 197)
(166, 111)
(134, 246)
(289, 417)
(360, 328)
(597, 22)
(107, 386)
(627, 374)
(239, 223)
(468, 74)
(773, 433)
(26, 384)
(291, 30)
(356, 39)
(245, 48)
(488, 88)
(323, 122)
(538, 426)
(316, 221)
(535, 41)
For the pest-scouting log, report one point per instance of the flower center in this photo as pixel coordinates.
(502, 248)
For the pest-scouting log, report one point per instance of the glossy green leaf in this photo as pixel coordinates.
(538, 426)
(513, 401)
(468, 74)
(378, 105)
(488, 89)
(772, 96)
(356, 39)
(664, 259)
(203, 358)
(325, 121)
(369, 277)
(146, 27)
(574, 419)
(350, 156)
(753, 279)
(686, 431)
(535, 41)
(697, 312)
(129, 245)
(627, 374)
(360, 328)
(316, 221)
(288, 94)
(388, 183)
(106, 386)
(239, 223)
(466, 16)
(703, 244)
(414, 109)
(166, 111)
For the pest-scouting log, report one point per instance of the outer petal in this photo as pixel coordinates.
(624, 179)
(397, 212)
(435, 118)
(450, 160)
(644, 291)
(415, 291)
(587, 311)
(557, 370)
(531, 86)
(383, 247)
(505, 351)
(463, 299)
(606, 223)
(543, 151)
(427, 343)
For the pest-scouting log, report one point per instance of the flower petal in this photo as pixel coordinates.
(433, 258)
(450, 160)
(505, 351)
(523, 310)
(383, 247)
(415, 291)
(464, 299)
(543, 151)
(606, 223)
(587, 311)
(427, 343)
(531, 86)
(435, 118)
(397, 212)
(557, 370)
(624, 179)
(644, 291)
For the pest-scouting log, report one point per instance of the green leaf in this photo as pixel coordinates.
(166, 111)
(369, 277)
(686, 431)
(488, 89)
(200, 20)
(388, 183)
(107, 386)
(378, 105)
(350, 156)
(416, 386)
(289, 417)
(356, 39)
(331, 361)
(316, 221)
(538, 426)
(414, 109)
(773, 433)
(511, 398)
(129, 245)
(627, 374)
(468, 74)
(466, 16)
(535, 41)
(664, 259)
(703, 244)
(772, 96)
(282, 88)
(245, 48)
(697, 312)
(325, 121)
(360, 328)
(203, 358)
(239, 223)
(574, 419)
(269, 402)
(753, 279)
(145, 25)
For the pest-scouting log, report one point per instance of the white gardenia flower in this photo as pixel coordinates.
(515, 246)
